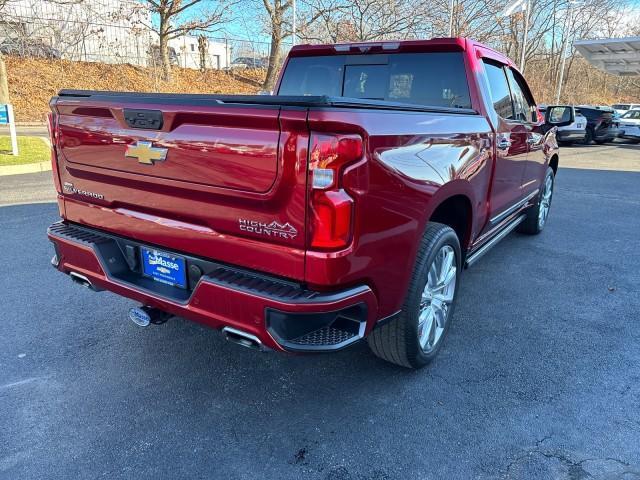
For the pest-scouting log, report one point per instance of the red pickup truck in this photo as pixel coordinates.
(343, 207)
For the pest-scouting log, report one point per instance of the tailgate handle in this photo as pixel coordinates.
(148, 119)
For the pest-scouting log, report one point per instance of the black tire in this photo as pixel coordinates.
(601, 142)
(398, 341)
(588, 137)
(531, 225)
(565, 143)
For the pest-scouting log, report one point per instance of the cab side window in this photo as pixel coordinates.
(499, 90)
(525, 108)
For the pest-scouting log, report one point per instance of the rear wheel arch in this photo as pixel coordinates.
(455, 211)
(448, 205)
(553, 163)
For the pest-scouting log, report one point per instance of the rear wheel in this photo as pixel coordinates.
(415, 336)
(537, 215)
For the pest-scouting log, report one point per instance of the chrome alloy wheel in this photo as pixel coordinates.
(437, 298)
(545, 201)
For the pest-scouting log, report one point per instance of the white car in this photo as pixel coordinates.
(630, 125)
(622, 108)
(575, 132)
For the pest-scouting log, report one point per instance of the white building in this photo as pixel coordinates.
(108, 31)
(217, 54)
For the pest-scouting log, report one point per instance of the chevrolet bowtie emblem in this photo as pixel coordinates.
(146, 153)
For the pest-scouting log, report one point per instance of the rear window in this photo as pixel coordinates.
(620, 106)
(432, 79)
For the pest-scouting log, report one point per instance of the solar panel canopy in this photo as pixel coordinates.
(617, 56)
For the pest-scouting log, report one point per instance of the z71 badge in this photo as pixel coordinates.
(273, 229)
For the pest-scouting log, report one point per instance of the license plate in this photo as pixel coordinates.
(164, 267)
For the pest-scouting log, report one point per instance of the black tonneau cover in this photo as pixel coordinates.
(321, 101)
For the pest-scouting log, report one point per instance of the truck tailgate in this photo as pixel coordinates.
(226, 182)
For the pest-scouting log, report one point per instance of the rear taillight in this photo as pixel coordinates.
(51, 125)
(331, 207)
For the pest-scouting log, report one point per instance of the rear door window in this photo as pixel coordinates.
(431, 79)
(499, 90)
(523, 104)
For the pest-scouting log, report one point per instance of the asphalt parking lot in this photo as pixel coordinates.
(538, 379)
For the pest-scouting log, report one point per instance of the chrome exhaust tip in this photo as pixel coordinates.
(241, 338)
(81, 280)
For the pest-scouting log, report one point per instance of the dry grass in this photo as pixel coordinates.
(585, 85)
(33, 81)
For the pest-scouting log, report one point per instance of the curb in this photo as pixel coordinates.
(26, 168)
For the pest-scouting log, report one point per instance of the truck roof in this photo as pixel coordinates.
(388, 46)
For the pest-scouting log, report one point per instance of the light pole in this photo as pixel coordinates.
(525, 8)
(451, 18)
(293, 23)
(564, 50)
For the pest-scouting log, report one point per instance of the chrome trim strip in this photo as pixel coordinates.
(475, 256)
(513, 208)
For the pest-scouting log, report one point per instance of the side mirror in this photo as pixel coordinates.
(559, 115)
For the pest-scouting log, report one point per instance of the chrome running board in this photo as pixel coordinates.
(475, 256)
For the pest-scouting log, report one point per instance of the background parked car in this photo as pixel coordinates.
(248, 62)
(623, 108)
(576, 132)
(601, 124)
(28, 47)
(630, 125)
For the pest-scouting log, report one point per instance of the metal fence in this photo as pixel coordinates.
(123, 34)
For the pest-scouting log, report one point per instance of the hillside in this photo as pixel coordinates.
(33, 81)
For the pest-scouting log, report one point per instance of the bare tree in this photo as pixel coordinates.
(365, 20)
(173, 23)
(203, 46)
(276, 11)
(4, 81)
(384, 19)
(279, 27)
(477, 19)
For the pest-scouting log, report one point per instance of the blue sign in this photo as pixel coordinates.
(164, 267)
(4, 114)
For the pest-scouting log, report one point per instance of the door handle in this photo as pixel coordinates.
(532, 141)
(503, 144)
